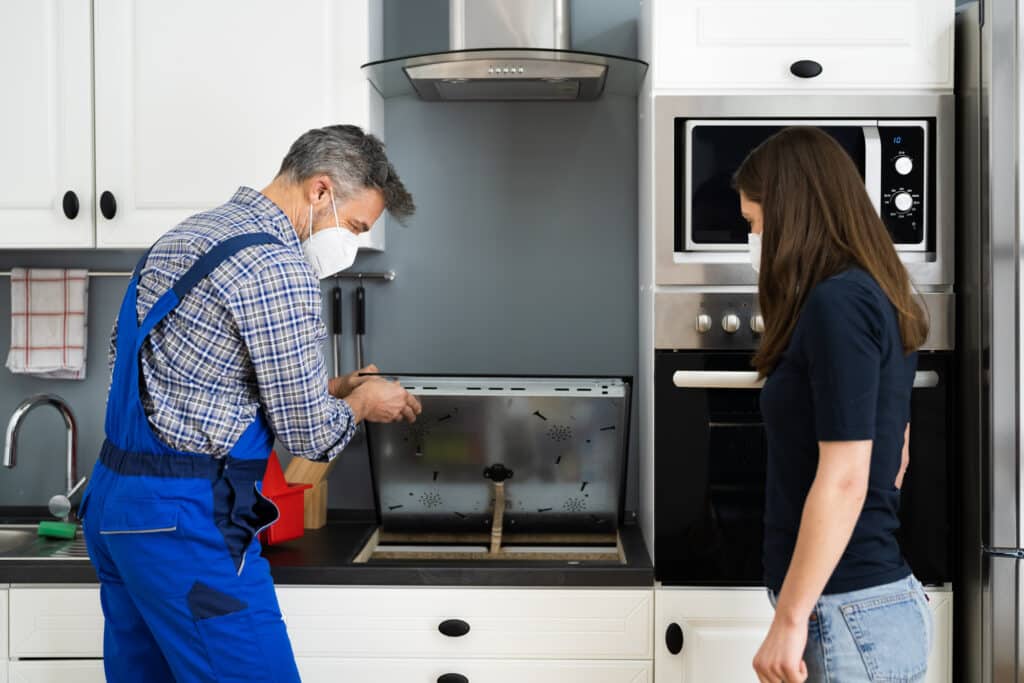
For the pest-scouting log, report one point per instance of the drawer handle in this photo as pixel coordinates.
(108, 205)
(452, 678)
(454, 628)
(805, 68)
(70, 205)
(674, 638)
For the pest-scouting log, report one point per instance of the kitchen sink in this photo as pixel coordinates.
(22, 542)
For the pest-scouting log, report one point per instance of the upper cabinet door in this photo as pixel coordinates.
(195, 98)
(800, 44)
(46, 124)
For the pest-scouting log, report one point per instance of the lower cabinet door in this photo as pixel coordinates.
(58, 671)
(708, 636)
(328, 670)
(711, 636)
(940, 663)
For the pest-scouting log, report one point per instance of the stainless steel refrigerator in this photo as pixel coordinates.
(990, 592)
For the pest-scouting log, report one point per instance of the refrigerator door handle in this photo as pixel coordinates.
(1012, 553)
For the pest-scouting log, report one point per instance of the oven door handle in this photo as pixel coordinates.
(739, 379)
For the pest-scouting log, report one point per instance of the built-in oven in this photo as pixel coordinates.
(901, 144)
(892, 157)
(710, 449)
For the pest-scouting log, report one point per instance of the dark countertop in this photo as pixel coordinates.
(324, 556)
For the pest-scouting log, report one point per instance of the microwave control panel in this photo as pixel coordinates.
(904, 178)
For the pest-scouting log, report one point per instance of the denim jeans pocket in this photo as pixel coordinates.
(891, 635)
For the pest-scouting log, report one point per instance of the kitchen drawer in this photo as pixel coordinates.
(504, 623)
(58, 671)
(327, 670)
(56, 622)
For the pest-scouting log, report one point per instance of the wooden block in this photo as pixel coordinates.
(314, 506)
(302, 471)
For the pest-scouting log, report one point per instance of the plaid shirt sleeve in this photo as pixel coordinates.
(277, 311)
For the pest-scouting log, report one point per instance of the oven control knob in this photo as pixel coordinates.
(904, 165)
(757, 323)
(703, 323)
(731, 323)
(903, 201)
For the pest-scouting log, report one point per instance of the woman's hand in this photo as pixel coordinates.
(781, 657)
(341, 387)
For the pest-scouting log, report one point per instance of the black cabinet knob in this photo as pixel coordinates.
(453, 628)
(452, 678)
(108, 205)
(70, 204)
(805, 68)
(674, 638)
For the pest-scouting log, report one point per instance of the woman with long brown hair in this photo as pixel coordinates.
(842, 327)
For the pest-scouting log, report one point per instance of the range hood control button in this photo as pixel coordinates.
(731, 323)
(703, 323)
(757, 323)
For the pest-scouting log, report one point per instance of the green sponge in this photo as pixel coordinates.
(51, 529)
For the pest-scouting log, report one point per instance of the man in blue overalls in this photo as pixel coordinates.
(217, 351)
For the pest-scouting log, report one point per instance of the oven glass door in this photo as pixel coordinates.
(714, 150)
(710, 464)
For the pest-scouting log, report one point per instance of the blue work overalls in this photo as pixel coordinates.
(173, 535)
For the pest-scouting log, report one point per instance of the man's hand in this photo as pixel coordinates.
(379, 400)
(781, 657)
(341, 387)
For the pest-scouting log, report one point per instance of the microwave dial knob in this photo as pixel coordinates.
(903, 201)
(703, 323)
(731, 323)
(757, 323)
(904, 165)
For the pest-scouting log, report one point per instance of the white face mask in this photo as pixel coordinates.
(754, 242)
(332, 249)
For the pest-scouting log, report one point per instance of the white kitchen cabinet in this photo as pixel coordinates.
(58, 671)
(45, 123)
(4, 620)
(723, 629)
(52, 622)
(325, 670)
(751, 44)
(195, 98)
(535, 623)
(940, 663)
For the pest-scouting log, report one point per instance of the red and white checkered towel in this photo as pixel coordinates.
(49, 319)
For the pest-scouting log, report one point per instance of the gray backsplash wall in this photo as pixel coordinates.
(521, 258)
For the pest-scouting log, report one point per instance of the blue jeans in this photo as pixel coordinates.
(883, 633)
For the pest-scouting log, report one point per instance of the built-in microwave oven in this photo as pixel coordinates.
(892, 157)
(902, 144)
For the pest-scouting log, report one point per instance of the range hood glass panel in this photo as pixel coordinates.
(621, 75)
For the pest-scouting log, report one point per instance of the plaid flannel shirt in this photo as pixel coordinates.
(249, 336)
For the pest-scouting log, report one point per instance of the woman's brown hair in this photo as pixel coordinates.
(818, 221)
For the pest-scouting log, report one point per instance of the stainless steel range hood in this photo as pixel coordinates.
(507, 50)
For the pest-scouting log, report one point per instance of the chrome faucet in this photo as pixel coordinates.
(60, 505)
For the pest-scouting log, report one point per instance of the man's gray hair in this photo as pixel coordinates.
(354, 160)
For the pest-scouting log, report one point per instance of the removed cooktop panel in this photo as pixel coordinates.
(562, 443)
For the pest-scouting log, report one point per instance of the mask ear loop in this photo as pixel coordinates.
(309, 233)
(334, 206)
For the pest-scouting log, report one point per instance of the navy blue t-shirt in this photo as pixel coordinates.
(843, 377)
